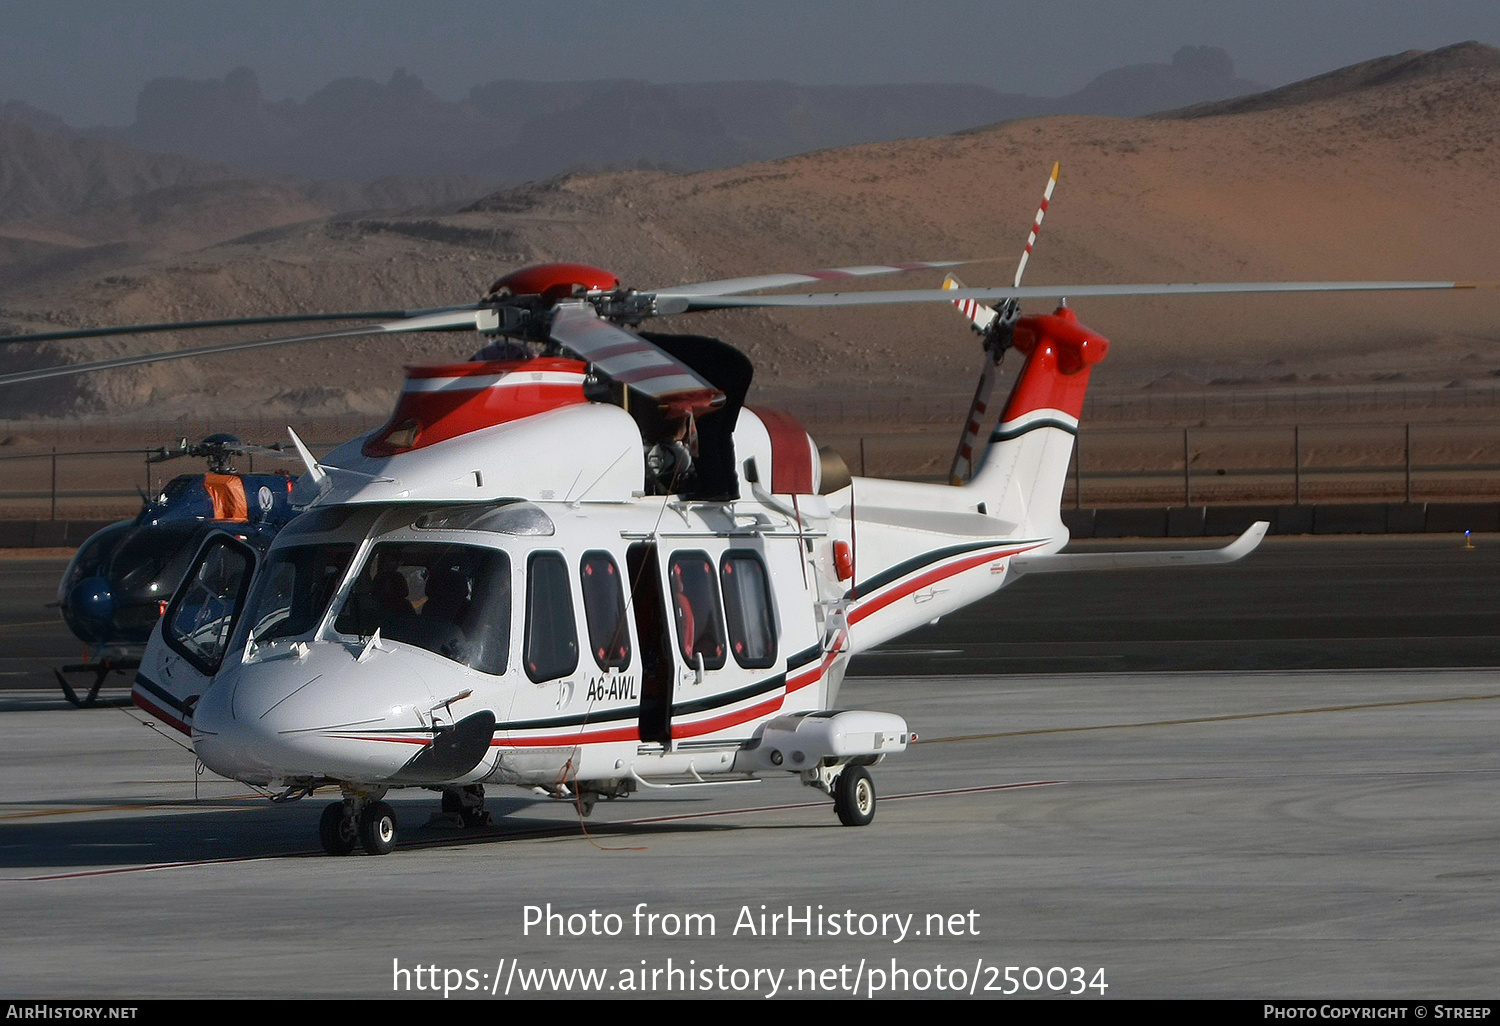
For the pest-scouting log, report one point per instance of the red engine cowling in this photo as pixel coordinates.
(554, 281)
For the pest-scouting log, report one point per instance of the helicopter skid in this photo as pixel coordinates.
(100, 671)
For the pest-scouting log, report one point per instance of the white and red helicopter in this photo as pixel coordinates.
(579, 563)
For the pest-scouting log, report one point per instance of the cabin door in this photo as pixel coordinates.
(658, 672)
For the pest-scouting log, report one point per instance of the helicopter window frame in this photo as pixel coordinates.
(749, 628)
(697, 604)
(549, 604)
(609, 642)
(175, 637)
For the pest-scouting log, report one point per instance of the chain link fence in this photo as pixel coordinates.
(1385, 443)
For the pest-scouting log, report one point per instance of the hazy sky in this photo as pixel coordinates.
(87, 59)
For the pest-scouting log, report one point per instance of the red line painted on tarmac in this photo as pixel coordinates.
(153, 868)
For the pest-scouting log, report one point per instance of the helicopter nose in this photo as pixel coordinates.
(240, 729)
(303, 716)
(225, 745)
(92, 602)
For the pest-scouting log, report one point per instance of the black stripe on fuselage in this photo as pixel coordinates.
(157, 691)
(916, 563)
(811, 654)
(1002, 434)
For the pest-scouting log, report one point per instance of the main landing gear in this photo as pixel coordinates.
(850, 787)
(854, 796)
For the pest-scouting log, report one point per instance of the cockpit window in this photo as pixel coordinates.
(294, 588)
(453, 600)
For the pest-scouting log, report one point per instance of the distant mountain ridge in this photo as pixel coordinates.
(1405, 66)
(512, 130)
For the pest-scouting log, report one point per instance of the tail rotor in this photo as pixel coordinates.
(994, 328)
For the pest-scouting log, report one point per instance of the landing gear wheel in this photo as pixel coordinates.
(854, 797)
(337, 830)
(377, 828)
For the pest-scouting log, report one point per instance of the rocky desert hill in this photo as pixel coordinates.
(1391, 177)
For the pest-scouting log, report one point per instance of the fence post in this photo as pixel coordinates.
(1297, 464)
(1187, 473)
(1408, 463)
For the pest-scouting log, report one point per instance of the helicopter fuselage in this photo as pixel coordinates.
(512, 581)
(402, 633)
(610, 637)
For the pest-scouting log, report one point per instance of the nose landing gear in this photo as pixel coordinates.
(358, 821)
(377, 828)
(337, 830)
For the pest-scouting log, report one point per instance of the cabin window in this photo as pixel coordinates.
(201, 617)
(604, 609)
(452, 600)
(294, 588)
(695, 603)
(551, 631)
(747, 608)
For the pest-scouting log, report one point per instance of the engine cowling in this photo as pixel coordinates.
(554, 281)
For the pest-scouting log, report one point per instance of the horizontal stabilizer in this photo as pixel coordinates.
(1068, 561)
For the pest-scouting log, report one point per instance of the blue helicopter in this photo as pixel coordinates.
(119, 581)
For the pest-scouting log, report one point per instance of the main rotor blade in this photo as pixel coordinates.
(669, 303)
(455, 320)
(734, 286)
(627, 358)
(230, 322)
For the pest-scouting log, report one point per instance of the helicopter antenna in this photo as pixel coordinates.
(314, 469)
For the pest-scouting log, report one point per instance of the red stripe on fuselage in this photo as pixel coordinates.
(874, 605)
(156, 710)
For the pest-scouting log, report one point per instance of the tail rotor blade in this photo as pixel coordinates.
(980, 315)
(1036, 224)
(971, 444)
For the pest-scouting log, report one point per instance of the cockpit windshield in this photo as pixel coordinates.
(293, 589)
(453, 600)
